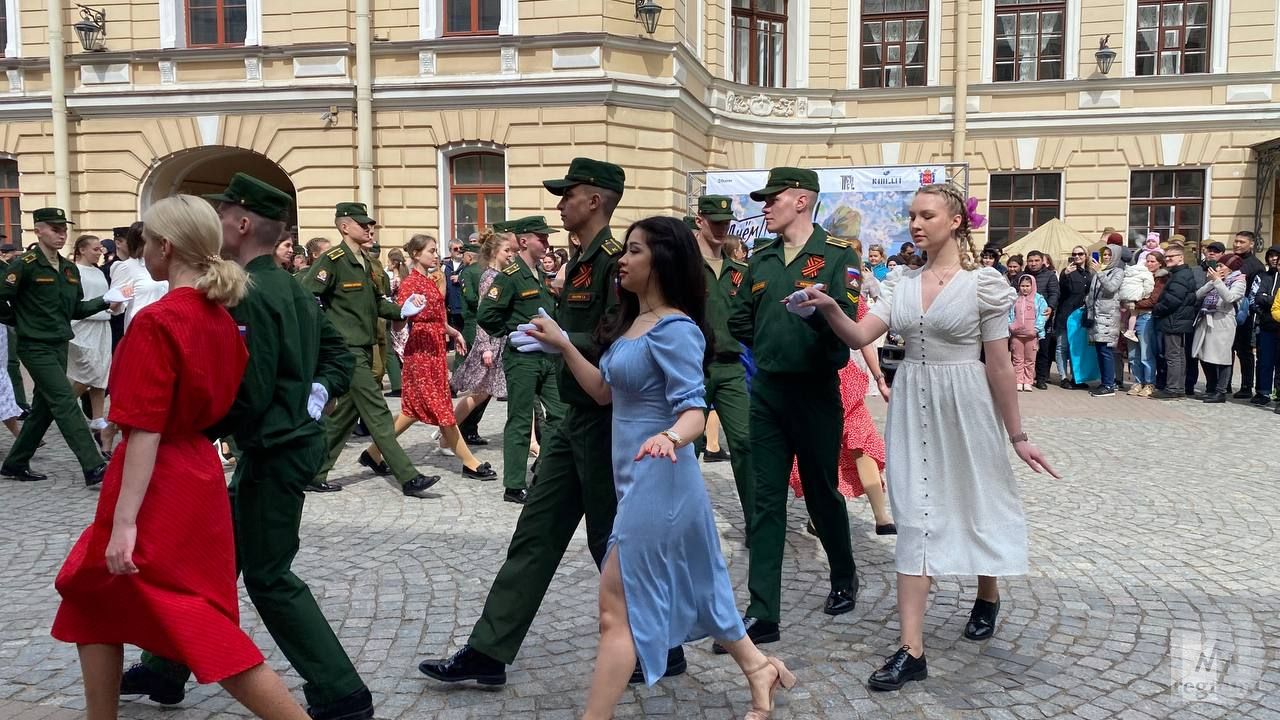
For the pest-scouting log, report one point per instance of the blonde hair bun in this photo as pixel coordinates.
(193, 229)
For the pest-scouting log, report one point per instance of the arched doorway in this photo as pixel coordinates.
(206, 170)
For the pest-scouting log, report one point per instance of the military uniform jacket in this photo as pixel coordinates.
(291, 345)
(780, 341)
(722, 294)
(45, 298)
(513, 298)
(469, 279)
(350, 293)
(590, 292)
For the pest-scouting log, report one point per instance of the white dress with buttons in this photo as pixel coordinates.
(951, 486)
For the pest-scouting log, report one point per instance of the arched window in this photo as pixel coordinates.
(477, 192)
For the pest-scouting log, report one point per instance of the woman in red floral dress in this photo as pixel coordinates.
(862, 448)
(425, 395)
(157, 567)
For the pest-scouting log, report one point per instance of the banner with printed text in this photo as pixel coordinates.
(869, 204)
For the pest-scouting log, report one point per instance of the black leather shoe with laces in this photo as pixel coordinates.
(466, 664)
(356, 706)
(982, 620)
(676, 665)
(419, 486)
(142, 680)
(899, 670)
(840, 601)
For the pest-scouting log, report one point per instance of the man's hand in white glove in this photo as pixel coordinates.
(794, 300)
(118, 295)
(316, 401)
(545, 330)
(413, 305)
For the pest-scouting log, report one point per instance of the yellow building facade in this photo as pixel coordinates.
(468, 105)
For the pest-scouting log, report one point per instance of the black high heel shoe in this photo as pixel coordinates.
(982, 620)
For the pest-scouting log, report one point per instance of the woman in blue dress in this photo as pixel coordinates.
(664, 580)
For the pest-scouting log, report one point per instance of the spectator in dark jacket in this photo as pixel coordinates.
(1073, 288)
(1264, 289)
(1047, 286)
(1175, 313)
(1243, 246)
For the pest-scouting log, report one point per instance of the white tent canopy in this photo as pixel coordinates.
(1054, 238)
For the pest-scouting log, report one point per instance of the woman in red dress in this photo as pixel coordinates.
(425, 395)
(862, 449)
(157, 567)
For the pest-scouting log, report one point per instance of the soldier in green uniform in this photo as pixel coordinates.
(297, 360)
(726, 379)
(796, 411)
(469, 288)
(343, 280)
(575, 475)
(514, 297)
(44, 291)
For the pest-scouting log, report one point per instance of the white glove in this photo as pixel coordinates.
(797, 297)
(116, 295)
(412, 306)
(316, 401)
(523, 342)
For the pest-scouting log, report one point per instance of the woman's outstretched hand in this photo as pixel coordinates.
(1031, 455)
(814, 297)
(656, 447)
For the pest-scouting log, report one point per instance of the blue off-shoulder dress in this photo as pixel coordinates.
(673, 573)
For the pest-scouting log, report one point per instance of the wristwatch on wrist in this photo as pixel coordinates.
(1015, 439)
(672, 436)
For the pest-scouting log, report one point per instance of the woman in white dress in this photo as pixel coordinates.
(89, 352)
(951, 487)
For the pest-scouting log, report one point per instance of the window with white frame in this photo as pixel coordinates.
(895, 43)
(477, 192)
(1029, 39)
(759, 32)
(10, 36)
(210, 23)
(460, 18)
(1173, 37)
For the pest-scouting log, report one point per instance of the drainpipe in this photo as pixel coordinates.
(364, 102)
(960, 111)
(58, 78)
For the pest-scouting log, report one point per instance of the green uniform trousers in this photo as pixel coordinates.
(727, 394)
(575, 478)
(266, 507)
(531, 377)
(54, 403)
(394, 368)
(15, 371)
(364, 400)
(795, 416)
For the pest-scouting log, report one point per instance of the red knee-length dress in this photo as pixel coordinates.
(177, 372)
(860, 432)
(424, 377)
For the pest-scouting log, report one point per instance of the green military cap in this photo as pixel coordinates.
(585, 171)
(716, 208)
(255, 196)
(783, 178)
(502, 226)
(473, 247)
(535, 224)
(691, 222)
(354, 210)
(51, 216)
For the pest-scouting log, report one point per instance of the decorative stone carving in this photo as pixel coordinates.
(508, 60)
(764, 106)
(426, 63)
(168, 72)
(15, 80)
(253, 68)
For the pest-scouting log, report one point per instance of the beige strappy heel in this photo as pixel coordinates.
(785, 680)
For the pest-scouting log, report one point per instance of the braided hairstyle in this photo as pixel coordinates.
(956, 206)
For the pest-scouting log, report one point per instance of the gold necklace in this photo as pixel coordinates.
(941, 281)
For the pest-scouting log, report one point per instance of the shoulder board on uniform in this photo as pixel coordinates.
(511, 269)
(612, 247)
(766, 245)
(336, 253)
(29, 258)
(837, 242)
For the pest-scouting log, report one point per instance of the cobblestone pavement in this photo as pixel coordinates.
(1152, 591)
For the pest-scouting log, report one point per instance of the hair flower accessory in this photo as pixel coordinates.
(976, 220)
